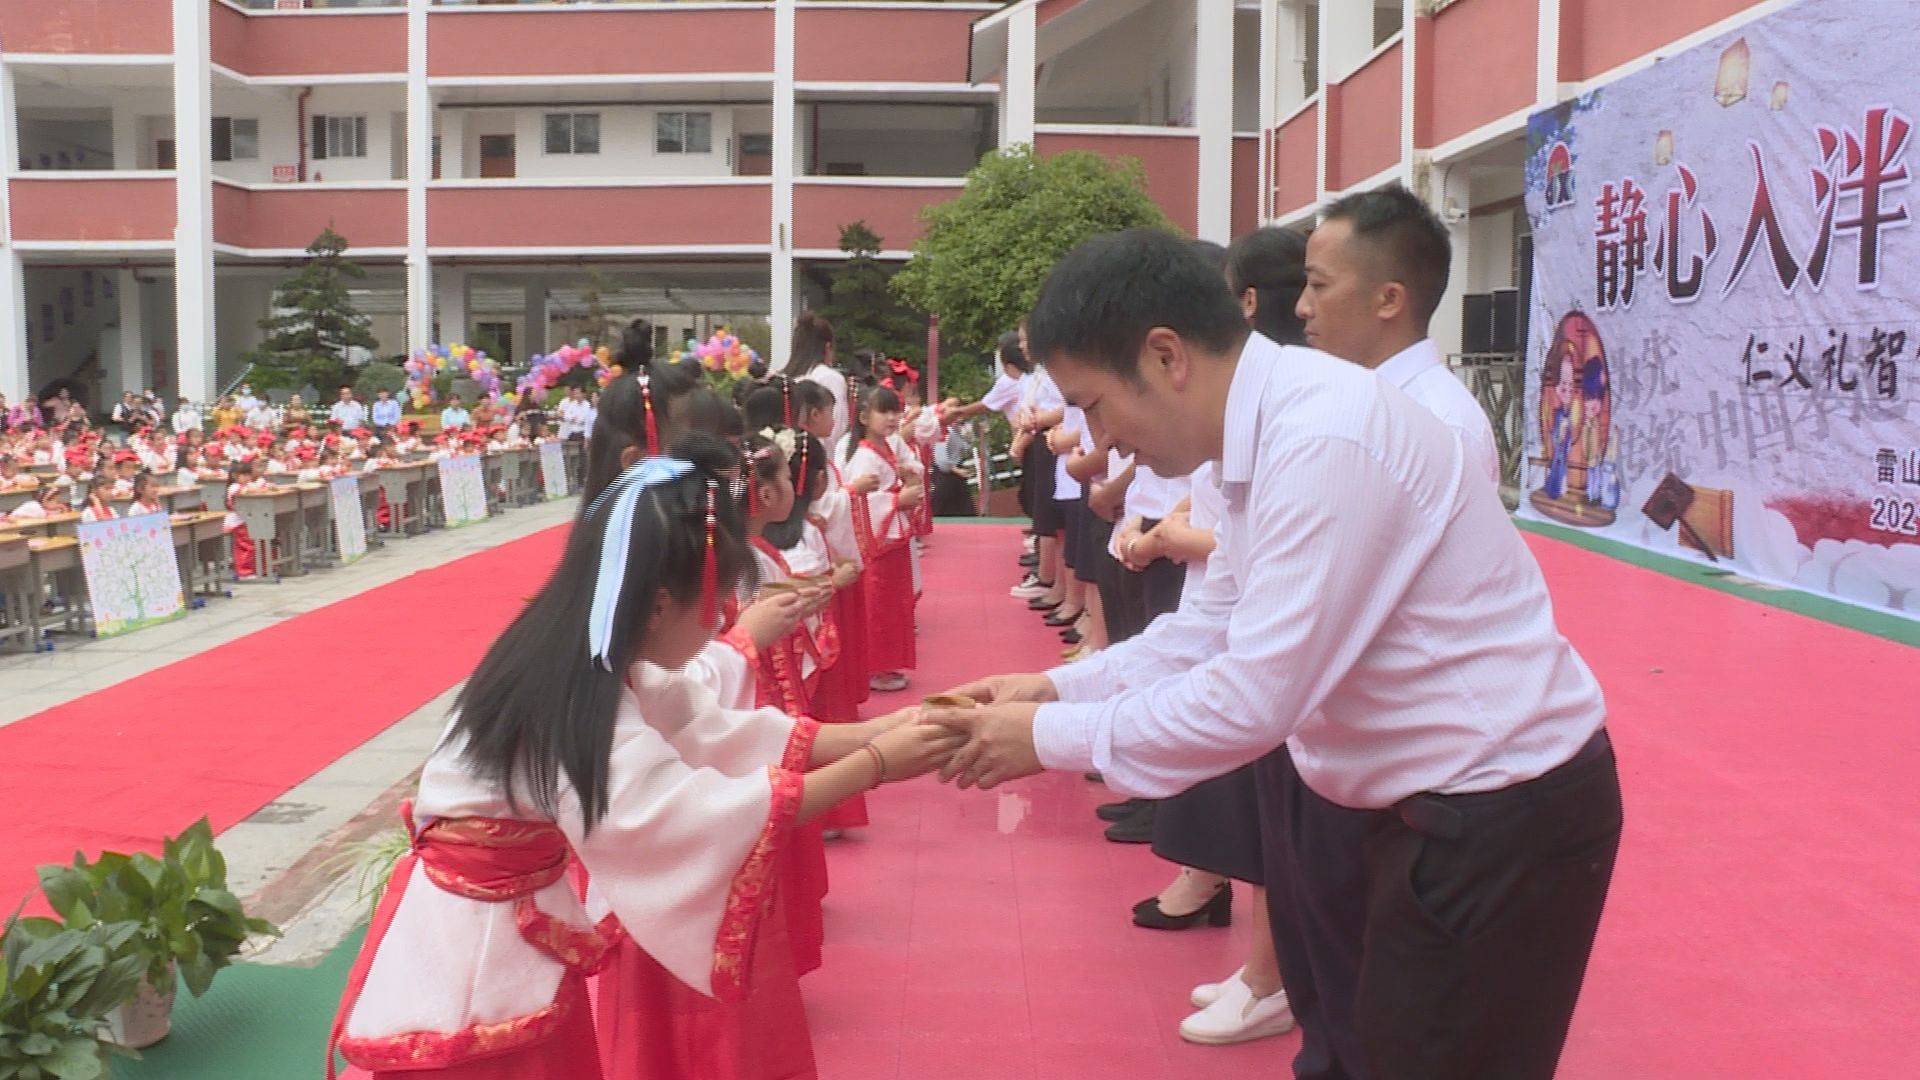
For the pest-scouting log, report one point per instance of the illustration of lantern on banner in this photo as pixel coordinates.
(1736, 67)
(1778, 100)
(1663, 147)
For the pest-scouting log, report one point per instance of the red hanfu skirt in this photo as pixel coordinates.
(842, 689)
(568, 1054)
(889, 587)
(653, 1027)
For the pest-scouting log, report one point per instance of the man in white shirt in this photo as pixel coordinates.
(348, 412)
(1376, 268)
(1373, 609)
(264, 416)
(186, 417)
(454, 416)
(246, 402)
(386, 413)
(574, 413)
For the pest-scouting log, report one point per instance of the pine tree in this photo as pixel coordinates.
(864, 311)
(313, 323)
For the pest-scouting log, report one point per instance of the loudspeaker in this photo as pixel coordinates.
(1504, 323)
(1476, 324)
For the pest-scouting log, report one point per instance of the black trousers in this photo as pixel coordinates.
(1448, 937)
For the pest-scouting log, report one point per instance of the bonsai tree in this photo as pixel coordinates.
(184, 915)
(864, 311)
(314, 322)
(57, 985)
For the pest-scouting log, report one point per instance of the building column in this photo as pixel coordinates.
(15, 381)
(1547, 68)
(1452, 198)
(780, 314)
(126, 134)
(419, 169)
(536, 318)
(1017, 93)
(196, 353)
(131, 368)
(450, 304)
(1213, 113)
(453, 144)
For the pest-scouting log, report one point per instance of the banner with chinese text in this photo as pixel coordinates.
(133, 579)
(349, 519)
(463, 489)
(1721, 353)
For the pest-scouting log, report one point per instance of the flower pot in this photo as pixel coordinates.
(146, 1019)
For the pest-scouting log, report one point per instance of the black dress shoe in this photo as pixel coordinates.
(1041, 603)
(1116, 811)
(1055, 619)
(1217, 911)
(1092, 776)
(1029, 561)
(1071, 637)
(1135, 828)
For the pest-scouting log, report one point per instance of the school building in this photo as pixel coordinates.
(497, 167)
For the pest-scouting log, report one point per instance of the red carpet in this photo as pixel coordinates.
(1761, 923)
(230, 730)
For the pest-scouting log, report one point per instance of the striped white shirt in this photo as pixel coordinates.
(1374, 608)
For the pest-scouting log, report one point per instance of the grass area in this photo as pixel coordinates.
(255, 1023)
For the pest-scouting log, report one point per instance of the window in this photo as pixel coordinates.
(236, 139)
(683, 133)
(339, 137)
(573, 133)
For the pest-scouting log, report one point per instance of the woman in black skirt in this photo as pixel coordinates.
(1212, 830)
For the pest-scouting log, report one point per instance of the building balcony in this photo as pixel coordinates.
(282, 218)
(88, 27)
(1474, 66)
(1293, 162)
(564, 217)
(1171, 157)
(1363, 120)
(1596, 36)
(872, 44)
(890, 207)
(93, 209)
(343, 40)
(477, 43)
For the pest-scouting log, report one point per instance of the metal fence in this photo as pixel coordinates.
(1498, 382)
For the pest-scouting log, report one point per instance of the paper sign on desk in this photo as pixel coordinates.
(463, 489)
(132, 577)
(349, 522)
(553, 470)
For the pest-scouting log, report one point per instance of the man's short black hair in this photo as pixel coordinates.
(1408, 235)
(1105, 295)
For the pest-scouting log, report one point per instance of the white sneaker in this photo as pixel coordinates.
(1028, 589)
(1207, 993)
(1237, 1017)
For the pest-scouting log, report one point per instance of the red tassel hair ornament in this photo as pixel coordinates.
(710, 571)
(646, 405)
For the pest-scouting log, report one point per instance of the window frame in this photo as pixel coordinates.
(684, 141)
(234, 126)
(325, 136)
(576, 126)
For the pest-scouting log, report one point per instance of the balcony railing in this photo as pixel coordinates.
(1499, 383)
(565, 216)
(93, 208)
(822, 206)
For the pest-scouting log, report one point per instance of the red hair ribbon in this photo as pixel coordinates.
(786, 402)
(710, 571)
(646, 404)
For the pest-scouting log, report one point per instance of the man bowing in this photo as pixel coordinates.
(1377, 613)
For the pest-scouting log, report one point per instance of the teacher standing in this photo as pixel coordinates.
(1376, 613)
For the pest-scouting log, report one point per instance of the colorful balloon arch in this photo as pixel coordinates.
(464, 361)
(547, 370)
(723, 352)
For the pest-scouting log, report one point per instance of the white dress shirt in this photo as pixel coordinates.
(349, 414)
(1004, 398)
(186, 418)
(1422, 375)
(1396, 632)
(1153, 496)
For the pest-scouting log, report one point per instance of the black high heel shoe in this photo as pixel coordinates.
(1056, 621)
(1216, 912)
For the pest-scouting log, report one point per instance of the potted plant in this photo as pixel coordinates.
(57, 986)
(187, 921)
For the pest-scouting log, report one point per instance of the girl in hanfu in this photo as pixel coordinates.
(1561, 395)
(884, 521)
(476, 962)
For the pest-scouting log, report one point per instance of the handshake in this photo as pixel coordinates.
(979, 734)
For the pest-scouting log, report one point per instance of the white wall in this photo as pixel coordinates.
(277, 113)
(1137, 71)
(377, 104)
(73, 342)
(1490, 251)
(626, 142)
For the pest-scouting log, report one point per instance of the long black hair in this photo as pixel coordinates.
(812, 337)
(621, 420)
(538, 707)
(773, 404)
(808, 467)
(878, 399)
(1273, 263)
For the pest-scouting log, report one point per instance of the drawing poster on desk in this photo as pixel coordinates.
(133, 579)
(553, 469)
(463, 489)
(349, 521)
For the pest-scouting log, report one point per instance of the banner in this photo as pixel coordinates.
(553, 469)
(463, 489)
(349, 518)
(1721, 353)
(133, 579)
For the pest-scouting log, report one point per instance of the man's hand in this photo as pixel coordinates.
(1062, 439)
(1004, 689)
(772, 617)
(999, 747)
(1107, 499)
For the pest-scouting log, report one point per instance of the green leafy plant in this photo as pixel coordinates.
(379, 375)
(184, 913)
(369, 864)
(57, 985)
(984, 255)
